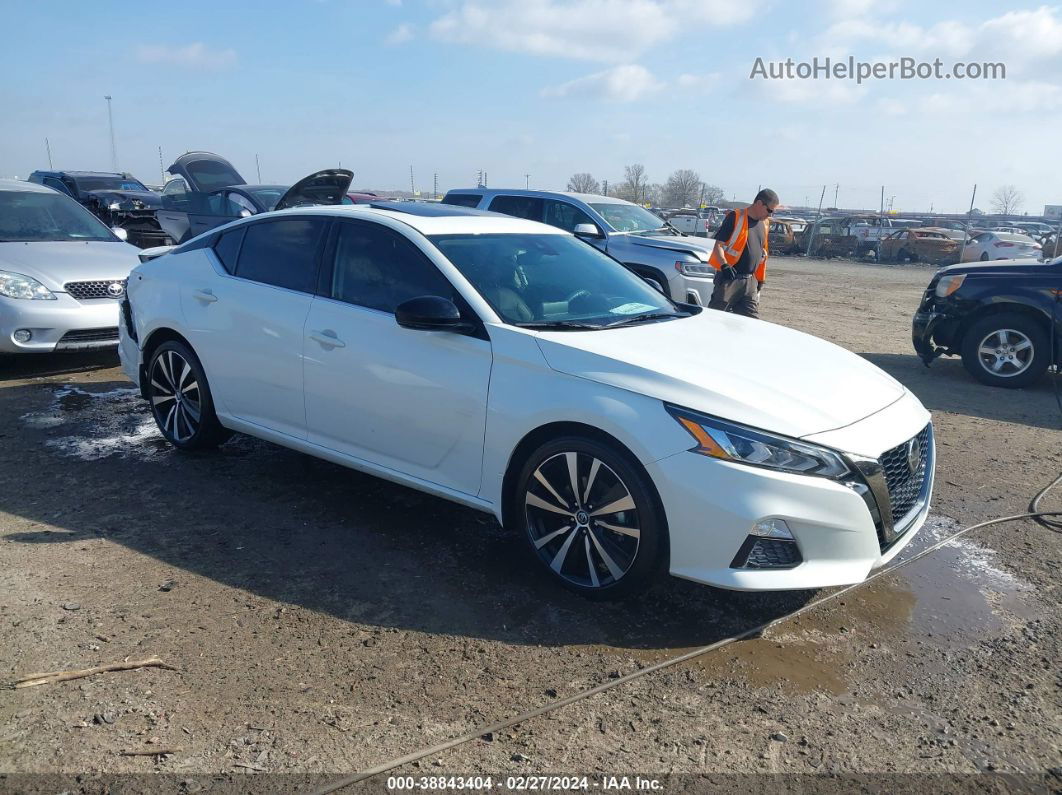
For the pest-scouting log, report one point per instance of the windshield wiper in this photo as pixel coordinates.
(559, 325)
(644, 317)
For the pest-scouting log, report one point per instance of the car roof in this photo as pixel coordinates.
(118, 174)
(28, 187)
(428, 219)
(589, 198)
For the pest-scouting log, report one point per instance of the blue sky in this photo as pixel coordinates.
(545, 87)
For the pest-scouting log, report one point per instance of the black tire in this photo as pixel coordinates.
(984, 256)
(180, 399)
(1007, 349)
(587, 557)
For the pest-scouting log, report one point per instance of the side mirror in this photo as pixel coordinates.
(245, 213)
(587, 230)
(148, 254)
(120, 233)
(430, 313)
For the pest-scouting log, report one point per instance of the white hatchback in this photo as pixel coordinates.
(511, 367)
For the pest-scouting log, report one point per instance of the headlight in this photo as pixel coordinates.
(694, 268)
(730, 442)
(15, 285)
(949, 284)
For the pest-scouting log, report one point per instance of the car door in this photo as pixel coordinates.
(411, 401)
(245, 317)
(173, 215)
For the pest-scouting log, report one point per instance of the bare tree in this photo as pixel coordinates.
(713, 194)
(653, 194)
(584, 183)
(683, 188)
(634, 182)
(1007, 199)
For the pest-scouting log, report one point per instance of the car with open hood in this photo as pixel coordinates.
(120, 200)
(207, 191)
(62, 273)
(673, 262)
(508, 366)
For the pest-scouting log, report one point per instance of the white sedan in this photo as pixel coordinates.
(510, 367)
(1001, 245)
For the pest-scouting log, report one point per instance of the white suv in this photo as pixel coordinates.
(506, 365)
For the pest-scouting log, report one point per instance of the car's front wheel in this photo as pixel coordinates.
(591, 517)
(1007, 349)
(180, 399)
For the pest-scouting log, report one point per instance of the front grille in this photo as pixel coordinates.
(84, 291)
(904, 482)
(91, 335)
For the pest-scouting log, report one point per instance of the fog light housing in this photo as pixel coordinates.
(772, 528)
(22, 335)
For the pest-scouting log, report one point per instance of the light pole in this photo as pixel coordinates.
(527, 182)
(110, 122)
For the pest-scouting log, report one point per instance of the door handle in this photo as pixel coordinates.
(206, 296)
(327, 338)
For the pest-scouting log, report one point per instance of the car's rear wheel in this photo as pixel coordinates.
(1007, 349)
(591, 517)
(180, 399)
(984, 256)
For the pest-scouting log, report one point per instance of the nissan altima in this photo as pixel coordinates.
(509, 366)
(62, 272)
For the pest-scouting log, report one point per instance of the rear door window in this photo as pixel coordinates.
(528, 207)
(282, 253)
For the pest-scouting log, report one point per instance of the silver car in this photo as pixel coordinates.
(674, 263)
(62, 273)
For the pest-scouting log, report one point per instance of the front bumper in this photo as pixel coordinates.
(64, 324)
(923, 325)
(713, 505)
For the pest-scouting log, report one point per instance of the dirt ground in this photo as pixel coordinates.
(323, 622)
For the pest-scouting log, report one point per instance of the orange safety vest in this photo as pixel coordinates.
(733, 247)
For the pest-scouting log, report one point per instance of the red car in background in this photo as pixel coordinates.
(362, 198)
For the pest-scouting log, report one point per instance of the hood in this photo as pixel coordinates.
(55, 264)
(1003, 267)
(205, 172)
(748, 371)
(128, 199)
(685, 243)
(322, 187)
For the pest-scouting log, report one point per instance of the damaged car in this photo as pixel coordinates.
(925, 244)
(997, 316)
(206, 191)
(120, 200)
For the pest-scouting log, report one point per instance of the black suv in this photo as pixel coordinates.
(119, 200)
(1002, 317)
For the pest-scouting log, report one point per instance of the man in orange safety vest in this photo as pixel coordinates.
(740, 256)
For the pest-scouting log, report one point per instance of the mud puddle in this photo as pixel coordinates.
(953, 598)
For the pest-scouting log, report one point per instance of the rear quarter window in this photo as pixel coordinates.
(227, 248)
(462, 199)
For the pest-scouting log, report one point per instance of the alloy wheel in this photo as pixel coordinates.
(582, 520)
(175, 396)
(1006, 353)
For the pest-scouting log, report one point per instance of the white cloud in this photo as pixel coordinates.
(593, 30)
(702, 82)
(979, 99)
(892, 107)
(810, 93)
(624, 83)
(196, 55)
(399, 35)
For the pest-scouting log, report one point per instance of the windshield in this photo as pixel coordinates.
(268, 197)
(630, 218)
(109, 183)
(37, 217)
(542, 280)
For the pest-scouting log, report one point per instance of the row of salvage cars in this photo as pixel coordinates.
(204, 191)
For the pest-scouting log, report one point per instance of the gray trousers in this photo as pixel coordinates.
(739, 295)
